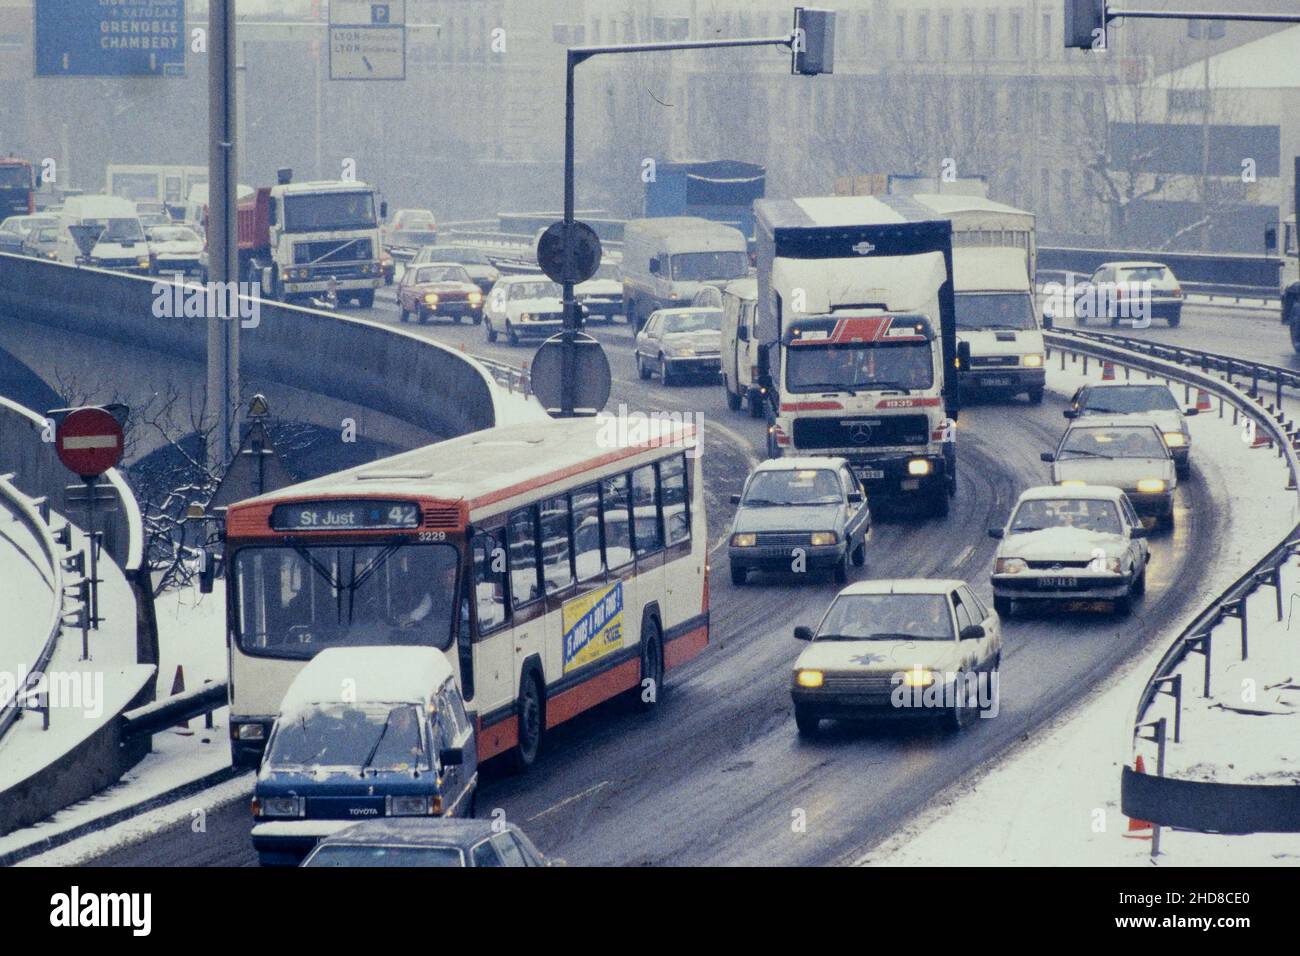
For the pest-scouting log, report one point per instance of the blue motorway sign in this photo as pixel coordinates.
(110, 37)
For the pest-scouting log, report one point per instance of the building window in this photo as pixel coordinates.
(968, 43)
(991, 35)
(1067, 189)
(900, 36)
(945, 35)
(864, 38)
(1046, 46)
(1017, 47)
(1045, 196)
(923, 36)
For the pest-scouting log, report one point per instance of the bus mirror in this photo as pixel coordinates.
(451, 756)
(963, 355)
(383, 210)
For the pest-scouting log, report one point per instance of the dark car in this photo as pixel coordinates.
(417, 843)
(439, 288)
(799, 514)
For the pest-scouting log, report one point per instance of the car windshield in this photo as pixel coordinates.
(461, 254)
(295, 601)
(47, 234)
(995, 310)
(850, 367)
(119, 230)
(1113, 442)
(682, 322)
(1083, 513)
(704, 266)
(172, 234)
(1144, 274)
(1126, 399)
(442, 274)
(887, 617)
(356, 854)
(805, 486)
(362, 736)
(414, 220)
(329, 210)
(535, 290)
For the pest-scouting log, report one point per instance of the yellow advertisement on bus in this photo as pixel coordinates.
(593, 626)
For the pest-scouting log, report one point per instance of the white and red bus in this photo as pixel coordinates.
(558, 564)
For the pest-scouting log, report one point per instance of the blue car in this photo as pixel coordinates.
(364, 733)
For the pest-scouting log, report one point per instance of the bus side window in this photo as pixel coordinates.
(557, 563)
(615, 502)
(525, 576)
(586, 533)
(490, 580)
(647, 533)
(672, 492)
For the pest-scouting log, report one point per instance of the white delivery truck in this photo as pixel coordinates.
(104, 232)
(855, 315)
(668, 260)
(742, 355)
(994, 259)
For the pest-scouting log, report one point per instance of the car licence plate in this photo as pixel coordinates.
(870, 474)
(1057, 582)
(995, 380)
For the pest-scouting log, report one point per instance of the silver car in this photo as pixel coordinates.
(1127, 451)
(679, 342)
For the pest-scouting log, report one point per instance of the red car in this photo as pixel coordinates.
(439, 288)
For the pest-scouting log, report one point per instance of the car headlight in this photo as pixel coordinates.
(807, 678)
(248, 732)
(822, 538)
(918, 677)
(475, 298)
(406, 806)
(430, 299)
(1010, 566)
(1113, 565)
(1175, 439)
(1032, 361)
(278, 806)
(525, 317)
(1151, 486)
(143, 262)
(744, 540)
(681, 351)
(1072, 483)
(919, 466)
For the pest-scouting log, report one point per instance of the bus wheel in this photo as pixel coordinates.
(755, 403)
(530, 718)
(651, 686)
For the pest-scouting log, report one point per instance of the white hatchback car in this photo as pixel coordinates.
(523, 307)
(902, 648)
(1071, 544)
(1127, 451)
(1116, 289)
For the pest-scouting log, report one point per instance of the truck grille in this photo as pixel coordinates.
(324, 251)
(994, 361)
(864, 432)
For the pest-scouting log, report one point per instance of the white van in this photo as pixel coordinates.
(116, 237)
(741, 349)
(667, 260)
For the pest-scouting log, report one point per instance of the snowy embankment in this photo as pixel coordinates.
(1055, 799)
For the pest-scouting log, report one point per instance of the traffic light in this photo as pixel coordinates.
(813, 49)
(1085, 24)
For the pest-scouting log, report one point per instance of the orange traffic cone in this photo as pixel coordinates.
(1136, 827)
(1202, 400)
(1261, 439)
(178, 687)
(1107, 371)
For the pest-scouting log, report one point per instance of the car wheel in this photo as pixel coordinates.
(403, 315)
(1035, 396)
(860, 554)
(491, 332)
(739, 576)
(366, 299)
(1183, 469)
(530, 718)
(1166, 522)
(511, 335)
(807, 722)
(652, 666)
(733, 398)
(755, 403)
(1293, 320)
(460, 319)
(478, 319)
(1140, 583)
(1003, 606)
(1175, 317)
(842, 568)
(959, 715)
(939, 502)
(1123, 605)
(664, 377)
(641, 368)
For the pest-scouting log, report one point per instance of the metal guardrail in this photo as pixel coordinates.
(34, 514)
(158, 716)
(1195, 805)
(513, 378)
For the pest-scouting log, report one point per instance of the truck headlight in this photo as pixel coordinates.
(278, 806)
(919, 466)
(143, 262)
(430, 299)
(807, 678)
(406, 806)
(1010, 566)
(745, 540)
(918, 677)
(823, 538)
(1151, 486)
(1032, 361)
(1175, 439)
(525, 317)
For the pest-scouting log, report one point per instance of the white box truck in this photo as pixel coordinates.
(667, 261)
(856, 316)
(994, 260)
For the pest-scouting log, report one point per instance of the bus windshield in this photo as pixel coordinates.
(296, 601)
(846, 368)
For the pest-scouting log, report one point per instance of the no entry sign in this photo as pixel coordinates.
(89, 441)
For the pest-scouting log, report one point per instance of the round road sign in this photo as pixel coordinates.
(89, 441)
(591, 378)
(574, 262)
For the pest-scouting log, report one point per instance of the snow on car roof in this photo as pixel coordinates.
(409, 675)
(905, 586)
(1055, 492)
(1133, 264)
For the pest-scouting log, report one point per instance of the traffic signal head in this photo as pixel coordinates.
(1085, 24)
(813, 49)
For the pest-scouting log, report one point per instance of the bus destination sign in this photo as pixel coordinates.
(346, 515)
